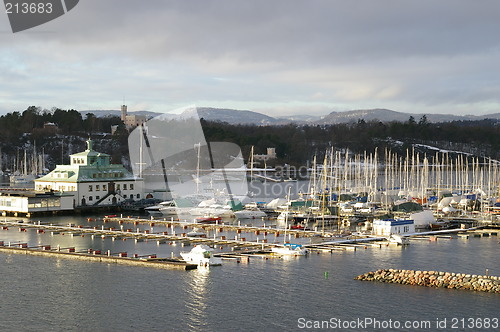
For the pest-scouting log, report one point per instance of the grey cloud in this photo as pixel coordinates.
(380, 51)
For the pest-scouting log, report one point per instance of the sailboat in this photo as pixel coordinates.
(289, 249)
(18, 178)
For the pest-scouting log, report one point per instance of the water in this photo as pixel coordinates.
(51, 294)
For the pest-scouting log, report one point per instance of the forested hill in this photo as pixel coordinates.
(295, 143)
(32, 120)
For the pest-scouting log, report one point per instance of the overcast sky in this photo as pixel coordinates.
(275, 57)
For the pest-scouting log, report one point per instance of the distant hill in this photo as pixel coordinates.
(105, 113)
(208, 113)
(233, 116)
(299, 118)
(385, 115)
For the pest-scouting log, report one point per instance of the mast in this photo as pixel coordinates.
(198, 169)
(25, 166)
(251, 163)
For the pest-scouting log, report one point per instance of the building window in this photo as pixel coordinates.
(124, 186)
(131, 186)
(97, 187)
(125, 196)
(90, 198)
(138, 195)
(97, 197)
(118, 187)
(90, 187)
(104, 187)
(93, 175)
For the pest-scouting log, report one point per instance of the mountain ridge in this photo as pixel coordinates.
(234, 116)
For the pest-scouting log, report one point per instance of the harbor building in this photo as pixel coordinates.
(389, 227)
(27, 202)
(92, 180)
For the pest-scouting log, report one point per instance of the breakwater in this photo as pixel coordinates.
(435, 279)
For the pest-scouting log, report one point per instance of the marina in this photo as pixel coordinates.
(229, 241)
(212, 241)
(217, 291)
(213, 166)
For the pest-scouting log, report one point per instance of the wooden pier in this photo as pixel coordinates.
(221, 226)
(162, 263)
(161, 237)
(242, 249)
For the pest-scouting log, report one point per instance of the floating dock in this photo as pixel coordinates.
(242, 249)
(162, 263)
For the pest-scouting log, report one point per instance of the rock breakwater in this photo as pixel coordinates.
(435, 279)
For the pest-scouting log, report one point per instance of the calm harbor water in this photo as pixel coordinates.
(50, 294)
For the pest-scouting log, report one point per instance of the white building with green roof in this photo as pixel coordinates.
(93, 180)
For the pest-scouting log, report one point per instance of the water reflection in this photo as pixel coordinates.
(196, 301)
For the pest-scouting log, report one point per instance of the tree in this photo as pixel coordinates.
(423, 121)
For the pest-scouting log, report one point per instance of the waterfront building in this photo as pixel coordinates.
(19, 201)
(389, 227)
(92, 180)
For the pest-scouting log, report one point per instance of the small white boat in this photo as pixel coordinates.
(201, 255)
(252, 213)
(402, 240)
(290, 249)
(197, 232)
(216, 210)
(22, 178)
(176, 207)
(155, 209)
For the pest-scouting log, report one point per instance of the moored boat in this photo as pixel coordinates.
(290, 249)
(201, 255)
(208, 220)
(252, 213)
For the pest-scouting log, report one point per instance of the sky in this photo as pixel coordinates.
(279, 57)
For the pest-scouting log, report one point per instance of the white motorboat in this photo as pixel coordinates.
(155, 209)
(250, 213)
(201, 255)
(402, 240)
(214, 210)
(197, 232)
(176, 207)
(290, 249)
